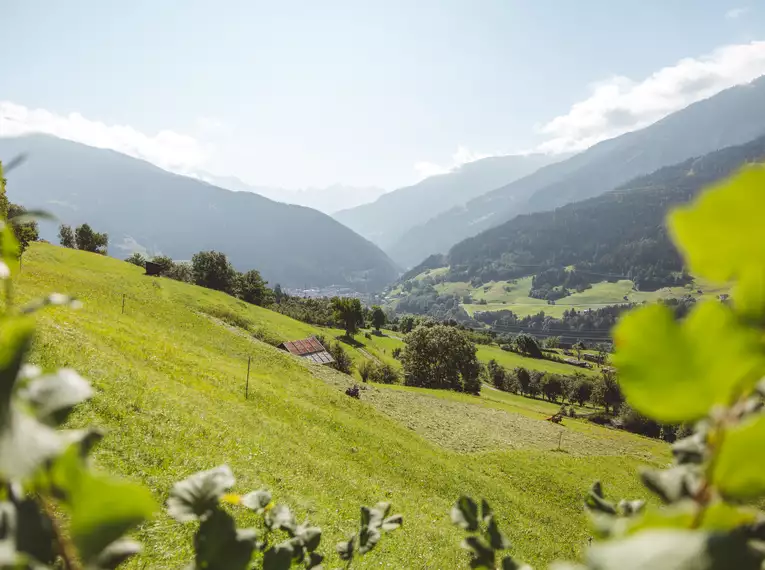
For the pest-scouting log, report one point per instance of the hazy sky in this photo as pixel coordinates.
(310, 93)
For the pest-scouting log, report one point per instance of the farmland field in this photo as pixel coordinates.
(170, 381)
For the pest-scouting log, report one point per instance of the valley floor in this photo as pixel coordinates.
(170, 391)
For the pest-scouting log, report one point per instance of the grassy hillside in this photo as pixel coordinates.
(514, 296)
(170, 391)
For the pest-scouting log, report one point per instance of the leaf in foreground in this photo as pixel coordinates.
(740, 469)
(677, 371)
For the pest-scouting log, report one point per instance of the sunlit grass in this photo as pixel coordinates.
(170, 385)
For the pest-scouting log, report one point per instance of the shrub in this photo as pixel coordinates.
(635, 422)
(181, 271)
(213, 270)
(353, 391)
(365, 369)
(137, 258)
(527, 344)
(66, 236)
(396, 353)
(384, 374)
(343, 362)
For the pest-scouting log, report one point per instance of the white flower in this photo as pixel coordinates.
(58, 299)
(5, 272)
(29, 371)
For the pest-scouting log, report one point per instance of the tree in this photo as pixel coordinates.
(137, 258)
(213, 270)
(552, 342)
(441, 357)
(343, 362)
(607, 392)
(365, 369)
(527, 344)
(25, 231)
(251, 288)
(579, 347)
(348, 314)
(378, 317)
(497, 375)
(66, 236)
(535, 383)
(406, 324)
(278, 294)
(581, 390)
(89, 240)
(165, 263)
(524, 379)
(181, 271)
(552, 387)
(3, 196)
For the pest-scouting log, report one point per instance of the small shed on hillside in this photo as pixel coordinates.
(153, 268)
(310, 349)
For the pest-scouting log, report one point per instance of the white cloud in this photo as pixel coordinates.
(167, 149)
(735, 13)
(461, 156)
(620, 104)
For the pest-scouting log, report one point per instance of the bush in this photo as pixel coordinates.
(441, 357)
(384, 374)
(365, 369)
(213, 270)
(396, 353)
(354, 391)
(600, 418)
(634, 422)
(527, 344)
(343, 362)
(89, 240)
(180, 272)
(137, 258)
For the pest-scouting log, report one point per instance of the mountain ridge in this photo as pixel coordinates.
(142, 206)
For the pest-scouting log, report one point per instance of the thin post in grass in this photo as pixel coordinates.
(123, 303)
(247, 382)
(560, 439)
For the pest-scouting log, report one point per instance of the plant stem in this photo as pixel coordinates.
(65, 547)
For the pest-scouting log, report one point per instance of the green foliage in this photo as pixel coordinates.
(441, 357)
(378, 317)
(137, 258)
(607, 392)
(348, 314)
(384, 373)
(213, 270)
(89, 240)
(527, 344)
(497, 375)
(252, 288)
(24, 228)
(365, 369)
(165, 263)
(66, 236)
(343, 362)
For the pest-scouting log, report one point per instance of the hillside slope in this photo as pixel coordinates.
(386, 219)
(620, 233)
(170, 391)
(729, 118)
(142, 206)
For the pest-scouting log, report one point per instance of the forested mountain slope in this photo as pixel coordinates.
(385, 220)
(619, 234)
(731, 117)
(141, 206)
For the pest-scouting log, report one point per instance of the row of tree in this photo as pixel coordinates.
(83, 237)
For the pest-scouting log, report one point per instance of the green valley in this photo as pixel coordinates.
(170, 381)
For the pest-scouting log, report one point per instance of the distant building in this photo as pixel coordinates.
(153, 268)
(310, 349)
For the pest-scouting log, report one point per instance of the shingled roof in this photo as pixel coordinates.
(310, 349)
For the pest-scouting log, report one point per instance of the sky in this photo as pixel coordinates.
(299, 94)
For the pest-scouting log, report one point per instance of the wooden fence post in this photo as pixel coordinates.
(247, 382)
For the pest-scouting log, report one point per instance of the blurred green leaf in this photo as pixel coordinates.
(53, 396)
(219, 545)
(279, 556)
(482, 556)
(595, 500)
(368, 539)
(280, 517)
(310, 536)
(465, 514)
(199, 494)
(115, 554)
(740, 467)
(392, 522)
(673, 550)
(345, 549)
(15, 340)
(722, 237)
(257, 500)
(661, 362)
(496, 539)
(103, 509)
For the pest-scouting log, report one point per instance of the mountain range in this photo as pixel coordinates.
(329, 199)
(145, 208)
(732, 117)
(389, 217)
